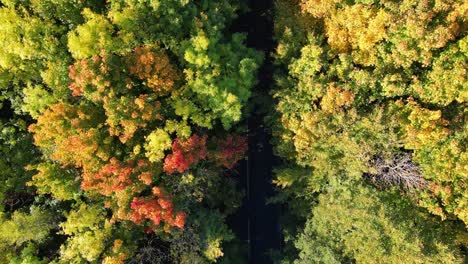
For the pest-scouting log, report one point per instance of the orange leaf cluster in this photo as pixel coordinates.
(154, 67)
(82, 149)
(116, 176)
(156, 210)
(87, 73)
(185, 153)
(67, 134)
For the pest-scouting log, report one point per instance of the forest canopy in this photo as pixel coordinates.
(370, 120)
(121, 130)
(125, 126)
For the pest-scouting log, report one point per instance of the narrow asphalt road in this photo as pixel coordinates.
(261, 220)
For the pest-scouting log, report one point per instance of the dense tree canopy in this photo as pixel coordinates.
(122, 122)
(371, 97)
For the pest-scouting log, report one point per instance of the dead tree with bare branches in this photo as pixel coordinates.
(398, 171)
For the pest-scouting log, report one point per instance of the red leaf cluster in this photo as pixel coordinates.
(112, 177)
(185, 153)
(230, 150)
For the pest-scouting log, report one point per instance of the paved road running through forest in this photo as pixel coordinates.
(257, 222)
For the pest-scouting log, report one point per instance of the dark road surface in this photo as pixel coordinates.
(257, 223)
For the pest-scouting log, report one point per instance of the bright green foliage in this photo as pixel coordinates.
(82, 219)
(28, 256)
(26, 41)
(36, 100)
(32, 52)
(92, 238)
(24, 227)
(68, 12)
(90, 38)
(182, 129)
(157, 142)
(223, 94)
(353, 222)
(61, 183)
(154, 21)
(88, 234)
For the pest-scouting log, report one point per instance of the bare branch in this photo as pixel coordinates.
(399, 171)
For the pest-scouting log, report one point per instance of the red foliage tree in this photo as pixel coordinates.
(230, 150)
(185, 153)
(112, 177)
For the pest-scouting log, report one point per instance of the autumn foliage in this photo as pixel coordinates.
(154, 67)
(185, 153)
(135, 110)
(125, 115)
(160, 208)
(230, 150)
(69, 135)
(110, 178)
(111, 108)
(370, 121)
(89, 74)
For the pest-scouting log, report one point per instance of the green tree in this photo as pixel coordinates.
(88, 231)
(61, 183)
(355, 223)
(23, 227)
